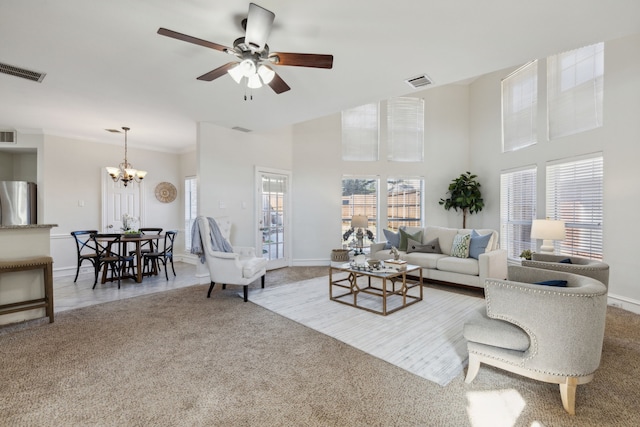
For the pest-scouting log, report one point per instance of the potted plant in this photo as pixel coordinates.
(464, 194)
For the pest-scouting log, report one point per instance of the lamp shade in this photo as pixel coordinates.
(548, 229)
(359, 221)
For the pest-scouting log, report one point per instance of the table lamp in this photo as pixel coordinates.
(548, 230)
(359, 222)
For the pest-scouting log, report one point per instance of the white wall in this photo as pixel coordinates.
(226, 162)
(617, 139)
(319, 168)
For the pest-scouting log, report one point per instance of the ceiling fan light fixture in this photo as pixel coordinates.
(254, 82)
(266, 74)
(247, 67)
(236, 73)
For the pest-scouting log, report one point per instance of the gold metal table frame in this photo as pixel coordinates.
(383, 291)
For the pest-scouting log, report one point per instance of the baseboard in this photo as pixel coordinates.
(624, 303)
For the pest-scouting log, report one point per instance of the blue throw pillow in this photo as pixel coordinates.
(478, 244)
(565, 261)
(393, 239)
(558, 283)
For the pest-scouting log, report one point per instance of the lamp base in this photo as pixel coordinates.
(547, 247)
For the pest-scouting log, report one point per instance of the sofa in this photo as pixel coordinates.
(542, 324)
(458, 256)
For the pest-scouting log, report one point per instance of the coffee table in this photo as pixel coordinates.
(376, 288)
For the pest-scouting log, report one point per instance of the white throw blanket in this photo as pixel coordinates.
(218, 242)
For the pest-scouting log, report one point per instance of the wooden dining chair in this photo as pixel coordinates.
(152, 260)
(110, 256)
(85, 247)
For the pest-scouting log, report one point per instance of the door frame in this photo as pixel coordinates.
(288, 240)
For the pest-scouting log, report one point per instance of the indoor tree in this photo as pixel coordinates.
(464, 194)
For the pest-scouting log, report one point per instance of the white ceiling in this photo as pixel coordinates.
(106, 66)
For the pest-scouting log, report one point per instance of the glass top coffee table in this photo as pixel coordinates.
(381, 291)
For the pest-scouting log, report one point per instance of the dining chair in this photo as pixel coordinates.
(85, 247)
(152, 259)
(109, 256)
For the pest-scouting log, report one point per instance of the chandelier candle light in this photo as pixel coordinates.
(548, 230)
(125, 172)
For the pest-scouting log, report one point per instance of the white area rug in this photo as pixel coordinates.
(424, 338)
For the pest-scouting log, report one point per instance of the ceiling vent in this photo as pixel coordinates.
(419, 81)
(241, 129)
(8, 137)
(21, 72)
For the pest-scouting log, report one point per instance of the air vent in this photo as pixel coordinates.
(8, 137)
(21, 72)
(419, 81)
(241, 129)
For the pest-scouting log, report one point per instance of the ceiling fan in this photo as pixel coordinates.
(252, 53)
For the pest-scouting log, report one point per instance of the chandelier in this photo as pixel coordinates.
(125, 172)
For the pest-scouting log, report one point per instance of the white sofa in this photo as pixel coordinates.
(444, 267)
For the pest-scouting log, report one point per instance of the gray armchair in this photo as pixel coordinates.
(582, 266)
(547, 333)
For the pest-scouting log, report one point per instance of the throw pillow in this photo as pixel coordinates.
(460, 246)
(559, 283)
(431, 247)
(565, 261)
(393, 239)
(478, 244)
(404, 239)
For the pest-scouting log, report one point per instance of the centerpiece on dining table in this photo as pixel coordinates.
(130, 226)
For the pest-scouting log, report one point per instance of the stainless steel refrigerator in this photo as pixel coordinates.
(18, 203)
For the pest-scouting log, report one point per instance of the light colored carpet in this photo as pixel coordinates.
(424, 338)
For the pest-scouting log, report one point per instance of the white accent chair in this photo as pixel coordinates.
(547, 333)
(240, 267)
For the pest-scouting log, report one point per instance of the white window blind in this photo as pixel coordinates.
(517, 210)
(519, 108)
(404, 202)
(360, 130)
(190, 208)
(575, 195)
(405, 129)
(575, 90)
(360, 197)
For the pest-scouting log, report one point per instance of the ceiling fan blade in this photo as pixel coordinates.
(220, 71)
(259, 23)
(190, 39)
(278, 85)
(302, 59)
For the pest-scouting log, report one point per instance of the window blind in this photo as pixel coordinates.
(405, 129)
(575, 195)
(519, 108)
(575, 81)
(404, 202)
(517, 210)
(360, 129)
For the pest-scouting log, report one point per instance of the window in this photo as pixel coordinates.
(517, 210)
(575, 90)
(575, 195)
(519, 108)
(190, 208)
(404, 202)
(360, 133)
(405, 129)
(360, 197)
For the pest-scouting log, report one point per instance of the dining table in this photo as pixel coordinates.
(137, 240)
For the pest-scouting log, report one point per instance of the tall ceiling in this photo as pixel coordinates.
(106, 66)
